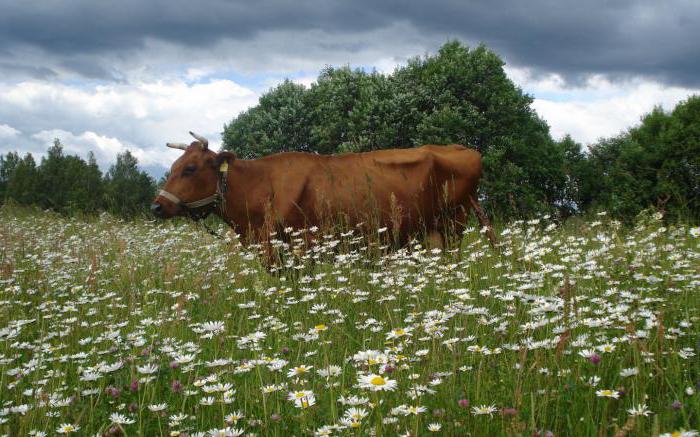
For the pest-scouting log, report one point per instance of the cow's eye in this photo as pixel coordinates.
(189, 170)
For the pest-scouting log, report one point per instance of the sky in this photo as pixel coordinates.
(135, 74)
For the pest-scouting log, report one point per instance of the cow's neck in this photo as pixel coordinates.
(247, 197)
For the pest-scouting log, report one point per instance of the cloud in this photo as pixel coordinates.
(115, 41)
(597, 108)
(107, 76)
(8, 131)
(110, 118)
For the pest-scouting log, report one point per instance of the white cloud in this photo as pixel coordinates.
(598, 107)
(110, 118)
(8, 131)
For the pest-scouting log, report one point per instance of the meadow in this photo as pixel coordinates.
(112, 327)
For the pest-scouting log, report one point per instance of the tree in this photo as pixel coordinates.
(277, 124)
(7, 167)
(128, 191)
(655, 164)
(67, 184)
(22, 185)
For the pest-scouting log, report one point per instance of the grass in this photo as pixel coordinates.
(152, 328)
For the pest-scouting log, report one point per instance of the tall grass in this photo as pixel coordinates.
(157, 328)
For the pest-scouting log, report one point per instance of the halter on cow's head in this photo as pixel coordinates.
(197, 183)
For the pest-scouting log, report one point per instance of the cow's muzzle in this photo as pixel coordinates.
(157, 209)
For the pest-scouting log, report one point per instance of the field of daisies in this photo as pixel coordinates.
(109, 327)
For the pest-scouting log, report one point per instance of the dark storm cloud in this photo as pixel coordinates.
(619, 38)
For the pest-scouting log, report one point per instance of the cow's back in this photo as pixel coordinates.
(409, 188)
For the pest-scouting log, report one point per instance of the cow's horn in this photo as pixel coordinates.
(181, 146)
(201, 139)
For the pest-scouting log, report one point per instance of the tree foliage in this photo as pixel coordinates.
(68, 184)
(654, 164)
(128, 190)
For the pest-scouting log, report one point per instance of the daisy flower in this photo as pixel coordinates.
(299, 371)
(434, 427)
(377, 382)
(120, 419)
(639, 410)
(67, 428)
(484, 409)
(608, 394)
(302, 398)
(632, 371)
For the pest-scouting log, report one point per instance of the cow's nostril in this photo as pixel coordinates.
(156, 208)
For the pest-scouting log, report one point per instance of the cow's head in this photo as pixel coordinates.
(193, 177)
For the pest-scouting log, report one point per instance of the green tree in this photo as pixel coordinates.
(67, 183)
(127, 191)
(278, 123)
(350, 111)
(7, 167)
(655, 164)
(23, 184)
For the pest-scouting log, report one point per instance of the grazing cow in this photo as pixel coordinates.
(422, 191)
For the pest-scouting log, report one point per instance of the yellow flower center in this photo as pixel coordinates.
(377, 380)
(320, 327)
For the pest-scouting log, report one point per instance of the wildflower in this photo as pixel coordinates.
(233, 417)
(484, 409)
(299, 371)
(377, 383)
(176, 386)
(323, 431)
(330, 371)
(225, 432)
(639, 410)
(632, 371)
(302, 398)
(120, 419)
(356, 413)
(434, 427)
(398, 333)
(158, 407)
(681, 433)
(213, 327)
(67, 428)
(607, 348)
(464, 403)
(147, 369)
(350, 423)
(414, 410)
(608, 394)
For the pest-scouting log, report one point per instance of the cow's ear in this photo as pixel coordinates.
(224, 157)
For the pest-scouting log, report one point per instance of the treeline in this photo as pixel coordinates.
(462, 95)
(69, 185)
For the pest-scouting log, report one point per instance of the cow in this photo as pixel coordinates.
(428, 190)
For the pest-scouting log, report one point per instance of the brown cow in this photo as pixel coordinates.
(409, 191)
